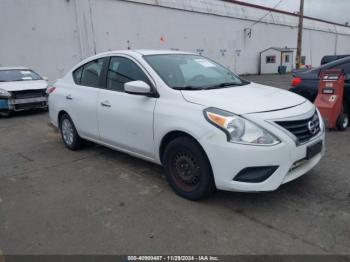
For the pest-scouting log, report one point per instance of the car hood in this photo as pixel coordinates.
(23, 85)
(251, 98)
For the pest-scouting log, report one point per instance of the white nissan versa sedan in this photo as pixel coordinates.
(208, 127)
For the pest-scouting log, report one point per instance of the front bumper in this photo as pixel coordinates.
(229, 159)
(11, 104)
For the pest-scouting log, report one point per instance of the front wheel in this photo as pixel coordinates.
(187, 169)
(69, 134)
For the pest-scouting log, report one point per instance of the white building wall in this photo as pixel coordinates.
(42, 35)
(51, 36)
(317, 43)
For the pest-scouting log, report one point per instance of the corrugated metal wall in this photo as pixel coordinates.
(51, 36)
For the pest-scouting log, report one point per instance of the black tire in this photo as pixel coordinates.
(187, 169)
(343, 122)
(74, 141)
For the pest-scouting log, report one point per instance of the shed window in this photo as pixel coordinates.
(270, 59)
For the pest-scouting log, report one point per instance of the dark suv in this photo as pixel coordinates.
(305, 83)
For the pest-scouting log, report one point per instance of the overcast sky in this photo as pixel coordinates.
(332, 10)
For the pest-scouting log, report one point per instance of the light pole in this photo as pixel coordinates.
(300, 34)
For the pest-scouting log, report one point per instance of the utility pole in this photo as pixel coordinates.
(300, 33)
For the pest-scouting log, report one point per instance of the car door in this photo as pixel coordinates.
(126, 120)
(81, 98)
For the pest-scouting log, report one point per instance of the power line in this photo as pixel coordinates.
(269, 12)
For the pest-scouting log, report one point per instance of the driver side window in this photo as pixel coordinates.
(122, 70)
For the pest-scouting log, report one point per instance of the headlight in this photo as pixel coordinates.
(322, 124)
(4, 93)
(238, 129)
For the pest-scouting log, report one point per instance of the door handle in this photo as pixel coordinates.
(69, 97)
(105, 104)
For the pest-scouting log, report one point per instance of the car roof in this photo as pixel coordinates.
(14, 68)
(324, 66)
(337, 62)
(132, 53)
(145, 52)
(160, 52)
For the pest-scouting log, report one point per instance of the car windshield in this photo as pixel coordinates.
(192, 72)
(18, 75)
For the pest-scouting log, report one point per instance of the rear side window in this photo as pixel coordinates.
(122, 70)
(90, 74)
(77, 75)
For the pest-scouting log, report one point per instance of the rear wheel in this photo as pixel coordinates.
(69, 134)
(187, 169)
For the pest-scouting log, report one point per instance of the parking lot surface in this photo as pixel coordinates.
(98, 201)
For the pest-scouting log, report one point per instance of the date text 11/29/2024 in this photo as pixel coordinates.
(173, 258)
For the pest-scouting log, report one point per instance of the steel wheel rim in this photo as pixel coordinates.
(185, 171)
(67, 132)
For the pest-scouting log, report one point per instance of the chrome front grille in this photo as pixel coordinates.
(305, 129)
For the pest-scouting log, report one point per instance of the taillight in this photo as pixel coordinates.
(296, 81)
(50, 89)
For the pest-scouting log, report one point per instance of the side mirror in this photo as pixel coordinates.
(45, 78)
(137, 88)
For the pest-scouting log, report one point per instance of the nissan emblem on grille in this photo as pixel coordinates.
(302, 129)
(312, 127)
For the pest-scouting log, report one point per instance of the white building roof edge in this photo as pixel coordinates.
(238, 11)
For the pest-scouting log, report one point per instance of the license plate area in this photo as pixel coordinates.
(4, 104)
(313, 150)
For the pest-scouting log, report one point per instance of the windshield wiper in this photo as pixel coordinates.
(221, 85)
(187, 88)
(227, 84)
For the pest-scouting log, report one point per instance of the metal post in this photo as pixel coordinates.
(300, 34)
